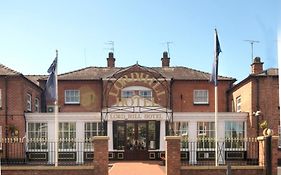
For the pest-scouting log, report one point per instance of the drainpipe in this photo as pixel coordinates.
(258, 103)
(101, 105)
(171, 107)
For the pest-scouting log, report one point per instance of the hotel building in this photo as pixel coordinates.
(136, 106)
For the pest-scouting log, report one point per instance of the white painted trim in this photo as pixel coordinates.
(209, 116)
(64, 116)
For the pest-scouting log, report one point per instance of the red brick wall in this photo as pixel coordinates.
(262, 95)
(183, 96)
(90, 96)
(269, 101)
(276, 154)
(17, 89)
(173, 162)
(101, 154)
(48, 171)
(221, 171)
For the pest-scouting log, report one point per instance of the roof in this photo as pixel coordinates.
(177, 73)
(35, 78)
(269, 72)
(265, 73)
(7, 71)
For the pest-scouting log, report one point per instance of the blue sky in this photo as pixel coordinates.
(32, 30)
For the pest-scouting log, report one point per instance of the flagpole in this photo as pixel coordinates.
(216, 52)
(56, 115)
(216, 124)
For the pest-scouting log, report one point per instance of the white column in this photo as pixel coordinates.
(192, 138)
(110, 135)
(162, 135)
(80, 138)
(221, 135)
(51, 142)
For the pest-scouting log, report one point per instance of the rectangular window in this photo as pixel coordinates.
(37, 136)
(0, 98)
(67, 135)
(36, 105)
(91, 129)
(201, 97)
(234, 134)
(145, 93)
(181, 129)
(127, 94)
(28, 103)
(238, 104)
(72, 96)
(206, 135)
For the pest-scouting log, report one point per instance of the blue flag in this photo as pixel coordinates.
(51, 92)
(214, 75)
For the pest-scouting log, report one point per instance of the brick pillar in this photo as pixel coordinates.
(261, 151)
(173, 155)
(101, 155)
(276, 154)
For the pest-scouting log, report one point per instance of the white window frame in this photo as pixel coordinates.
(181, 129)
(204, 135)
(29, 102)
(145, 94)
(131, 91)
(91, 129)
(127, 94)
(66, 142)
(198, 96)
(69, 99)
(37, 134)
(36, 105)
(235, 141)
(238, 104)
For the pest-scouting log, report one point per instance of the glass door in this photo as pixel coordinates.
(142, 136)
(130, 136)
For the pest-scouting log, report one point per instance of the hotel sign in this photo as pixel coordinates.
(136, 116)
(136, 78)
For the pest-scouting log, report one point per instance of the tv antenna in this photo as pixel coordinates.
(252, 42)
(168, 43)
(111, 44)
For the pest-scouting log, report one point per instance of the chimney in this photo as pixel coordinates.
(257, 66)
(110, 60)
(165, 60)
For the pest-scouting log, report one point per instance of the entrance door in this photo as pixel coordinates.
(136, 141)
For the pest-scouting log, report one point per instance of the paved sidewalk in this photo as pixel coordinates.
(137, 168)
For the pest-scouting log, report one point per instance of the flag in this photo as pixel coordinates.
(214, 75)
(50, 89)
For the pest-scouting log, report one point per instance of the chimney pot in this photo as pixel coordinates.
(110, 60)
(257, 66)
(165, 60)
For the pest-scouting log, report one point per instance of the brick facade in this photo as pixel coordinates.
(173, 155)
(222, 170)
(258, 93)
(14, 103)
(182, 93)
(101, 155)
(45, 170)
